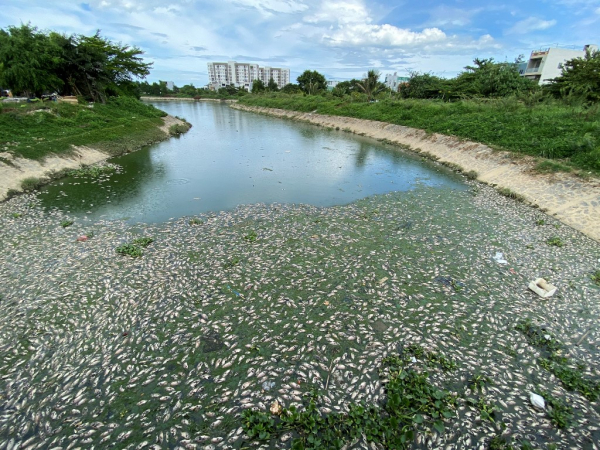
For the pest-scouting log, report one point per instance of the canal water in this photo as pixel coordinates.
(231, 157)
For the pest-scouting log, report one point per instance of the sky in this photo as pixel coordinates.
(342, 39)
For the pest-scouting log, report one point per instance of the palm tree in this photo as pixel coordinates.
(370, 85)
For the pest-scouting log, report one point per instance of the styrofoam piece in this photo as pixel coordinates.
(542, 288)
(537, 401)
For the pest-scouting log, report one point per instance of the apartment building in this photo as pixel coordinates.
(393, 81)
(241, 75)
(545, 64)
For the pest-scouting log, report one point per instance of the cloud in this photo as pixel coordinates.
(270, 7)
(382, 35)
(198, 49)
(277, 59)
(125, 25)
(531, 24)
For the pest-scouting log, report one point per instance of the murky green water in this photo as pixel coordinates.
(231, 157)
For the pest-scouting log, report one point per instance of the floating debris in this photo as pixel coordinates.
(542, 288)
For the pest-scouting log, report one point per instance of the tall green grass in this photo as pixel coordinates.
(547, 129)
(37, 130)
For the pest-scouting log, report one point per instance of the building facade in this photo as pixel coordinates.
(545, 64)
(393, 81)
(241, 75)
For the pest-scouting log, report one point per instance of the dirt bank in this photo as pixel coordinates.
(14, 170)
(572, 200)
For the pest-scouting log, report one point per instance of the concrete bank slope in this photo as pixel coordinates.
(572, 200)
(14, 170)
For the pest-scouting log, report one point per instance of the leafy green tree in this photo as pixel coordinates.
(32, 62)
(291, 88)
(258, 86)
(580, 77)
(312, 82)
(424, 85)
(28, 61)
(487, 78)
(272, 86)
(188, 90)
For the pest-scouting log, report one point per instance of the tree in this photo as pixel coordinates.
(370, 85)
(28, 61)
(291, 88)
(258, 86)
(272, 86)
(424, 85)
(580, 77)
(311, 82)
(32, 61)
(488, 78)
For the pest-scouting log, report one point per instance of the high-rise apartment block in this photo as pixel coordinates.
(221, 74)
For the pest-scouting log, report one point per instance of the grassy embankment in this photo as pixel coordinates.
(36, 130)
(564, 138)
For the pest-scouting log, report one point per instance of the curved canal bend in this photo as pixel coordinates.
(230, 158)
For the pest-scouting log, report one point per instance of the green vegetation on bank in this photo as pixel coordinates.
(35, 130)
(548, 129)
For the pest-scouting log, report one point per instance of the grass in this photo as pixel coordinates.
(511, 194)
(31, 184)
(566, 135)
(179, 128)
(34, 131)
(93, 171)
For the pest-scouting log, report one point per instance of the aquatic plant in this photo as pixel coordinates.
(130, 250)
(555, 241)
(559, 412)
(570, 373)
(412, 406)
(596, 277)
(66, 223)
(143, 241)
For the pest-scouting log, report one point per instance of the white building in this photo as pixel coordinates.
(221, 74)
(545, 64)
(170, 85)
(331, 84)
(393, 81)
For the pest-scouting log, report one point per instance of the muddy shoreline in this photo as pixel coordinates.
(570, 199)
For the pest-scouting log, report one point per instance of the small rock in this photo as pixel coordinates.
(537, 401)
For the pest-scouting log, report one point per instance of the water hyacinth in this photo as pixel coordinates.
(170, 348)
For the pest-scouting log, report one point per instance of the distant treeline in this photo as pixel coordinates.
(486, 78)
(34, 62)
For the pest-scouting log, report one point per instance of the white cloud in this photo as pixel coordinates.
(382, 35)
(345, 12)
(273, 6)
(531, 24)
